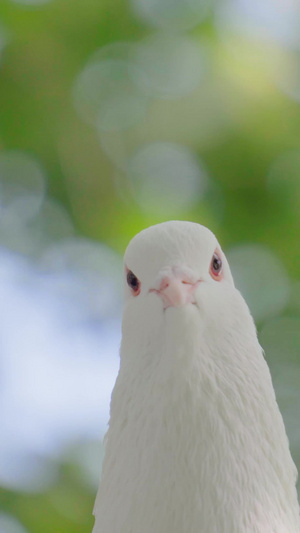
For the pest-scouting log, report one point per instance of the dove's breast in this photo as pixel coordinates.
(196, 443)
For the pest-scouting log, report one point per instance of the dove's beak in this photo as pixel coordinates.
(176, 289)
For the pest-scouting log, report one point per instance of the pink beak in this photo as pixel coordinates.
(176, 289)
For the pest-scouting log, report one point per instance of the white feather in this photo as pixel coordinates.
(196, 442)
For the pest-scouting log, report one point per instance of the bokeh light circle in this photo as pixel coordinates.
(170, 65)
(280, 338)
(267, 21)
(88, 271)
(283, 181)
(294, 303)
(52, 224)
(262, 279)
(286, 74)
(105, 93)
(172, 14)
(9, 524)
(22, 199)
(166, 178)
(22, 183)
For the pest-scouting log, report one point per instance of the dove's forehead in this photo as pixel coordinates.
(170, 243)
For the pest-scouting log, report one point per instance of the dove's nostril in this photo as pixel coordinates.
(176, 290)
(164, 284)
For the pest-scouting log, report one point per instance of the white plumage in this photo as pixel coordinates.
(196, 442)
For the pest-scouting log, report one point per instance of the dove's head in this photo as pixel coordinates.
(171, 260)
(176, 273)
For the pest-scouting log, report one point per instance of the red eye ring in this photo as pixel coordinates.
(133, 282)
(216, 266)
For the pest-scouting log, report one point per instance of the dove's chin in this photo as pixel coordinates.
(183, 306)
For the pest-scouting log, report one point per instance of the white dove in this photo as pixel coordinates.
(196, 442)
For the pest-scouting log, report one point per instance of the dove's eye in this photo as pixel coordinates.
(216, 267)
(133, 282)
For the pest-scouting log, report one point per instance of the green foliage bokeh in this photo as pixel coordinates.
(239, 122)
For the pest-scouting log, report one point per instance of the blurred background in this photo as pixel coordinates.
(114, 116)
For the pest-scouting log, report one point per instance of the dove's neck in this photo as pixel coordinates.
(194, 423)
